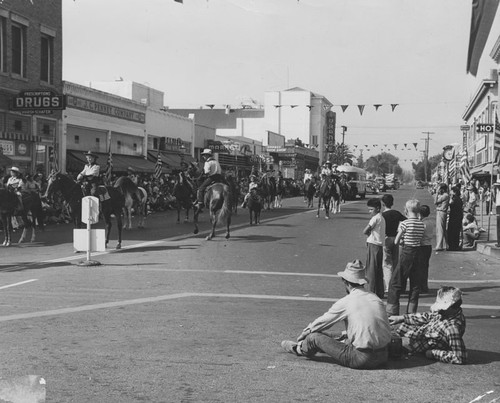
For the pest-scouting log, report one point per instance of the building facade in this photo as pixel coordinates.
(31, 100)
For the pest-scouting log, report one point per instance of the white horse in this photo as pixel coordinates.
(135, 197)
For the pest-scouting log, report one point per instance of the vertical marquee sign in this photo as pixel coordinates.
(330, 130)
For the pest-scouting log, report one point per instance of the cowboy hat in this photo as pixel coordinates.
(354, 272)
(206, 151)
(130, 169)
(446, 297)
(91, 154)
(15, 169)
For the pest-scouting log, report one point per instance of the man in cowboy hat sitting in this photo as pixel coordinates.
(438, 333)
(365, 344)
(213, 171)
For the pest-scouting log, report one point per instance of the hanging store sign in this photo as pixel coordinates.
(484, 128)
(105, 109)
(38, 102)
(7, 147)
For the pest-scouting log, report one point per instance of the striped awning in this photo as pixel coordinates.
(19, 137)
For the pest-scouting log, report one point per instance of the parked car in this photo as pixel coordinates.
(382, 186)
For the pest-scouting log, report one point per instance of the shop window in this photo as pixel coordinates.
(18, 125)
(19, 49)
(155, 143)
(135, 146)
(46, 129)
(97, 142)
(77, 139)
(119, 146)
(47, 59)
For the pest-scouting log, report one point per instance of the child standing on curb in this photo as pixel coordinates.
(374, 243)
(410, 233)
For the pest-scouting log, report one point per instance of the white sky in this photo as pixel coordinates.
(356, 52)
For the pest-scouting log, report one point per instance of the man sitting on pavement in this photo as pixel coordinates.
(439, 333)
(365, 344)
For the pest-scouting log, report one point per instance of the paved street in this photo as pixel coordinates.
(174, 318)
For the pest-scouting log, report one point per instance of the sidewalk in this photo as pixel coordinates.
(487, 240)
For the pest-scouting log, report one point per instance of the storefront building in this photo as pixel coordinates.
(292, 160)
(104, 124)
(31, 100)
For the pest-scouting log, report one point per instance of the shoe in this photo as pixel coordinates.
(289, 346)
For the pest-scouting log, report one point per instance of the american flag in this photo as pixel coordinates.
(452, 169)
(158, 166)
(465, 168)
(109, 168)
(496, 142)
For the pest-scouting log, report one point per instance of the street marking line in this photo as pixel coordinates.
(16, 284)
(115, 304)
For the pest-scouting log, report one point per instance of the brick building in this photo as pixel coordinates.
(31, 100)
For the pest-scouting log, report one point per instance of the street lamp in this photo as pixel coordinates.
(344, 129)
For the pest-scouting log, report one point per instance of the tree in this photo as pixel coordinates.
(383, 163)
(341, 154)
(360, 161)
(419, 167)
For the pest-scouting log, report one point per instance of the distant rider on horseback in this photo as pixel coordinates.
(213, 171)
(254, 184)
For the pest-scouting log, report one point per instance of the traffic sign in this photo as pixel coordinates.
(90, 210)
(465, 128)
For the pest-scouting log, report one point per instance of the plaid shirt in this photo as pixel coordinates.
(429, 331)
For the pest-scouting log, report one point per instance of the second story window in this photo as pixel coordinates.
(3, 46)
(47, 59)
(19, 49)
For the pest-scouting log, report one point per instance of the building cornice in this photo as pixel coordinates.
(495, 52)
(483, 89)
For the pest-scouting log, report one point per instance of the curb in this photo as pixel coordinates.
(488, 249)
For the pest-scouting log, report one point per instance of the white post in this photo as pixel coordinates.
(89, 233)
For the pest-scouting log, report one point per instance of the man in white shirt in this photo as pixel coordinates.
(368, 333)
(90, 172)
(212, 171)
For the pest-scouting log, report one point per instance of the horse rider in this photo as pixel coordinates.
(307, 175)
(254, 184)
(327, 169)
(133, 175)
(90, 172)
(15, 183)
(213, 171)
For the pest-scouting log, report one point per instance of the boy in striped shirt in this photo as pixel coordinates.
(410, 233)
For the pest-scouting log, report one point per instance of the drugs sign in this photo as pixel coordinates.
(38, 102)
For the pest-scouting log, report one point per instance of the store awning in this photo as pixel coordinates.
(75, 160)
(19, 137)
(170, 160)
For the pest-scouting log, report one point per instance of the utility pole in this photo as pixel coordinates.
(426, 153)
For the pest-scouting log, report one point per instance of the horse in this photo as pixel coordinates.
(280, 192)
(254, 204)
(72, 193)
(309, 191)
(336, 196)
(268, 185)
(324, 193)
(184, 195)
(134, 196)
(218, 199)
(9, 204)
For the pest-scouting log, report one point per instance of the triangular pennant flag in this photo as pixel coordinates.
(309, 106)
(405, 144)
(361, 108)
(393, 106)
(377, 106)
(366, 145)
(293, 106)
(375, 145)
(278, 106)
(415, 145)
(385, 145)
(211, 106)
(355, 146)
(395, 146)
(344, 107)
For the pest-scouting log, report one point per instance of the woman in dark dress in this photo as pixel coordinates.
(455, 219)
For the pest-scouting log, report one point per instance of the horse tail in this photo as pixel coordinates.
(225, 211)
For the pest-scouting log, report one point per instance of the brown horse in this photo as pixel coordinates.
(184, 195)
(218, 200)
(72, 193)
(255, 205)
(135, 197)
(9, 207)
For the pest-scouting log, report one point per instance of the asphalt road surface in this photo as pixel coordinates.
(175, 318)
